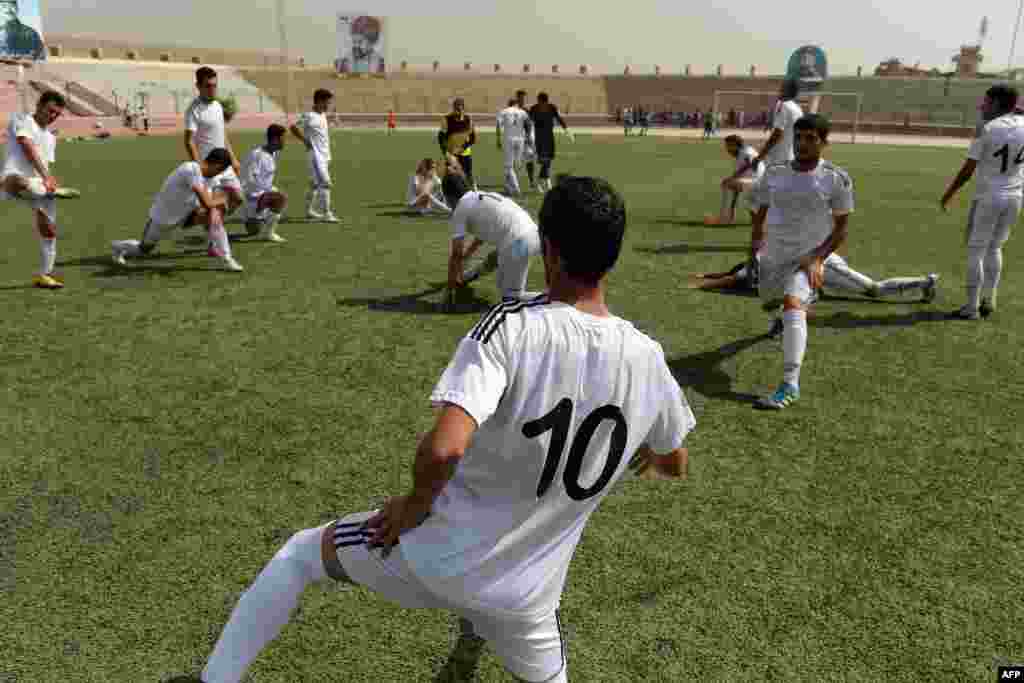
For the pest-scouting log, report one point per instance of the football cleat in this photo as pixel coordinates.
(231, 265)
(117, 256)
(47, 282)
(986, 309)
(785, 396)
(930, 289)
(776, 330)
(966, 312)
(67, 193)
(330, 218)
(274, 237)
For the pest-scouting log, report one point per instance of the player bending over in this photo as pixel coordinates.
(998, 157)
(31, 148)
(205, 131)
(733, 187)
(183, 201)
(312, 130)
(513, 130)
(264, 203)
(495, 220)
(424, 195)
(521, 453)
(802, 212)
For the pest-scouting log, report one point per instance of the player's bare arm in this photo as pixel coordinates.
(473, 248)
(455, 263)
(234, 159)
(769, 145)
(32, 154)
(299, 135)
(191, 149)
(438, 454)
(209, 201)
(961, 179)
(650, 465)
(814, 262)
(757, 232)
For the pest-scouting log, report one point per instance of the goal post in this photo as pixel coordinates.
(842, 107)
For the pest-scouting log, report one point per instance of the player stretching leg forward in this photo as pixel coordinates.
(513, 126)
(264, 203)
(998, 156)
(543, 117)
(424, 194)
(739, 182)
(312, 130)
(183, 201)
(205, 131)
(503, 485)
(30, 151)
(803, 208)
(495, 220)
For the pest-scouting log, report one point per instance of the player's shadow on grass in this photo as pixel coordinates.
(466, 301)
(410, 214)
(693, 223)
(684, 248)
(464, 658)
(703, 373)
(845, 320)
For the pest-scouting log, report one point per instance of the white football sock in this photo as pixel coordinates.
(899, 285)
(993, 270)
(219, 236)
(266, 606)
(47, 254)
(794, 344)
(511, 180)
(312, 199)
(129, 248)
(270, 225)
(975, 269)
(325, 201)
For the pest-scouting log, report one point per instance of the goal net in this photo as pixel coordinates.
(751, 109)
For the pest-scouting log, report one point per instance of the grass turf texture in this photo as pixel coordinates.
(167, 427)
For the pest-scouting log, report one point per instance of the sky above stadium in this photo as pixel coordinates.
(606, 35)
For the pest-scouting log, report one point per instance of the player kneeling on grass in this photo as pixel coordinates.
(26, 175)
(264, 203)
(495, 220)
(802, 211)
(183, 201)
(424, 195)
(520, 456)
(746, 174)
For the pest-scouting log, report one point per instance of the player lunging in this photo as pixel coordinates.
(31, 148)
(205, 131)
(739, 182)
(495, 220)
(543, 117)
(802, 212)
(264, 203)
(312, 130)
(521, 454)
(185, 200)
(513, 128)
(998, 157)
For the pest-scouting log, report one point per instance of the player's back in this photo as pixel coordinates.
(999, 152)
(513, 123)
(575, 395)
(543, 115)
(258, 170)
(493, 218)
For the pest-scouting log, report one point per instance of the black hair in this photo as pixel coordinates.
(454, 186)
(585, 219)
(815, 122)
(790, 89)
(52, 96)
(513, 102)
(203, 74)
(520, 93)
(321, 95)
(542, 97)
(219, 156)
(736, 140)
(276, 130)
(1004, 96)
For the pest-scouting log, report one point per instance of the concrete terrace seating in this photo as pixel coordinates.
(170, 86)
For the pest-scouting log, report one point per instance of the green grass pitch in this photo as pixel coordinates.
(165, 429)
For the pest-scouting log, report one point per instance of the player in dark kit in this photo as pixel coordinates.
(457, 137)
(544, 115)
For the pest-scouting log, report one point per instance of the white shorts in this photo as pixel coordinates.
(225, 182)
(514, 264)
(778, 281)
(514, 150)
(37, 198)
(533, 650)
(156, 231)
(252, 211)
(319, 172)
(990, 221)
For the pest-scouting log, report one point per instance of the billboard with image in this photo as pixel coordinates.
(21, 30)
(808, 66)
(361, 44)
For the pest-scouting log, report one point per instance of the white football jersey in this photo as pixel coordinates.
(25, 126)
(513, 123)
(562, 400)
(258, 171)
(177, 198)
(492, 218)
(800, 207)
(206, 121)
(314, 127)
(999, 151)
(748, 154)
(786, 114)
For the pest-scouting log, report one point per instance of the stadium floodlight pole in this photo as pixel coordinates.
(1013, 43)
